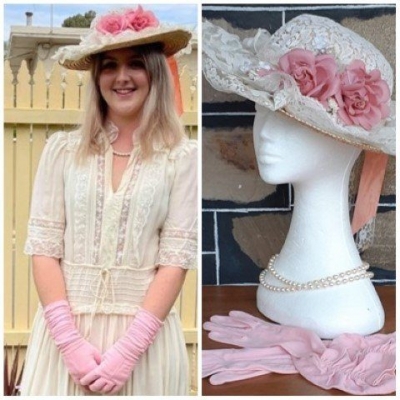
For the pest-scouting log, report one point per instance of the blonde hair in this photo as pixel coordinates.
(160, 123)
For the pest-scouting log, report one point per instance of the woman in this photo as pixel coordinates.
(112, 229)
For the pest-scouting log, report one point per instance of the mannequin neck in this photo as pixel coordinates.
(320, 231)
(324, 205)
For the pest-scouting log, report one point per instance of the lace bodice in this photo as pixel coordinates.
(110, 243)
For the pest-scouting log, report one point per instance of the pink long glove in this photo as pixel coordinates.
(119, 361)
(79, 355)
(244, 330)
(352, 363)
(228, 365)
(355, 364)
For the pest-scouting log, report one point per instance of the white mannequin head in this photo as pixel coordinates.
(319, 242)
(290, 152)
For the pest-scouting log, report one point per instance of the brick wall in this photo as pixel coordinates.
(245, 220)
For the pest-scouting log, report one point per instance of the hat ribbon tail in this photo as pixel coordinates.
(369, 189)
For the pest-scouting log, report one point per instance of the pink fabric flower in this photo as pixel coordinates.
(139, 19)
(316, 76)
(364, 96)
(112, 23)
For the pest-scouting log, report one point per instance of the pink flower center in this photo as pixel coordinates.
(360, 104)
(302, 74)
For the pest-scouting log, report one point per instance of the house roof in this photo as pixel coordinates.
(25, 40)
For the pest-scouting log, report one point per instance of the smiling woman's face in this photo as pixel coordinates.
(124, 83)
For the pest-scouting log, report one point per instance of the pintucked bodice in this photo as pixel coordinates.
(111, 242)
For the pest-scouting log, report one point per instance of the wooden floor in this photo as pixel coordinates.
(222, 299)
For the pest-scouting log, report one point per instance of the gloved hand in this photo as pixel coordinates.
(119, 361)
(244, 330)
(228, 365)
(80, 357)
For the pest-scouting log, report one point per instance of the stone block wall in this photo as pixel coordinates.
(245, 220)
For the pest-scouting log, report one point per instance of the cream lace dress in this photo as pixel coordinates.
(109, 244)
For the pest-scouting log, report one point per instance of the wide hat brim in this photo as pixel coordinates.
(312, 114)
(230, 66)
(362, 142)
(80, 57)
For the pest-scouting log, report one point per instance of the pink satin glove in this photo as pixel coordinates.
(119, 361)
(80, 357)
(244, 330)
(228, 365)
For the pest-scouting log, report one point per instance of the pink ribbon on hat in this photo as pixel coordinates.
(173, 67)
(370, 186)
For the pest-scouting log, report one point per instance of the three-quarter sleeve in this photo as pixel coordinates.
(178, 240)
(47, 217)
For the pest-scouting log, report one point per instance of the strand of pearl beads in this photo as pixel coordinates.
(121, 154)
(342, 278)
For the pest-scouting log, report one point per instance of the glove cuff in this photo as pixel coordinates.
(61, 325)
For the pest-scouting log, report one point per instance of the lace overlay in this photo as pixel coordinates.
(233, 66)
(178, 248)
(365, 236)
(110, 243)
(153, 173)
(99, 207)
(46, 238)
(125, 211)
(81, 201)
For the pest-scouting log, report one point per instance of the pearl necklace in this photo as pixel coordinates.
(120, 154)
(342, 278)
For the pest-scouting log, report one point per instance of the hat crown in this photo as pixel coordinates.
(127, 27)
(323, 36)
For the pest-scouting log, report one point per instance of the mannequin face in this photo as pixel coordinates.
(290, 152)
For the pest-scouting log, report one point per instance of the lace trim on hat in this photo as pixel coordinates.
(234, 67)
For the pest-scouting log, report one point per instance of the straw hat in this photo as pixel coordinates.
(121, 29)
(314, 70)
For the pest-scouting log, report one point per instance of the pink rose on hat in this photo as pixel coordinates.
(135, 20)
(364, 98)
(316, 76)
(361, 97)
(140, 19)
(112, 23)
